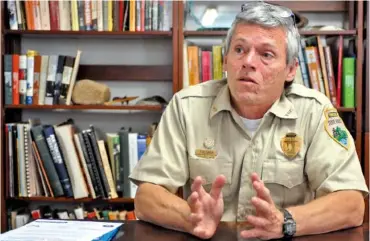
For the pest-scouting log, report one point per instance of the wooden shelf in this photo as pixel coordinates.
(72, 200)
(302, 32)
(126, 72)
(346, 109)
(40, 33)
(87, 107)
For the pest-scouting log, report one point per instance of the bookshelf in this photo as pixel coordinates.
(12, 40)
(86, 107)
(351, 32)
(71, 200)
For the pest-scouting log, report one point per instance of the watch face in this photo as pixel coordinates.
(290, 228)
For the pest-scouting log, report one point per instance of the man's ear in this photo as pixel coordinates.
(292, 69)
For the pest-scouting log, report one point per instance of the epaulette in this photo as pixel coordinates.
(303, 91)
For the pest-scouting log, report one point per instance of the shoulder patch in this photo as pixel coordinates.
(335, 127)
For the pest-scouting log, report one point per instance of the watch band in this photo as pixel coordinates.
(289, 225)
(287, 215)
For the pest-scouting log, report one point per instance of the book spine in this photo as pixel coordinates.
(58, 159)
(12, 11)
(54, 14)
(50, 79)
(81, 14)
(22, 79)
(348, 84)
(45, 15)
(67, 75)
(65, 15)
(30, 70)
(58, 79)
(8, 72)
(95, 150)
(87, 12)
(36, 79)
(52, 175)
(74, 15)
(89, 150)
(43, 76)
(15, 79)
(123, 186)
(100, 14)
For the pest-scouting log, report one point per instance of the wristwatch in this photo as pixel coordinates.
(289, 225)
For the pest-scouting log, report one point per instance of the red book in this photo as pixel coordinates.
(206, 65)
(15, 79)
(121, 13)
(339, 75)
(54, 15)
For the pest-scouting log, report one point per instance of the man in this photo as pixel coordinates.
(254, 147)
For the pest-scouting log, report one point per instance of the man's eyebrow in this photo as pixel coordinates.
(264, 44)
(241, 39)
(269, 45)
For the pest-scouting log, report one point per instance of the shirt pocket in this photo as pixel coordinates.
(286, 181)
(209, 169)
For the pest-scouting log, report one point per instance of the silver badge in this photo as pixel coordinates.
(209, 143)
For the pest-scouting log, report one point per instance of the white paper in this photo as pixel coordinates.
(60, 230)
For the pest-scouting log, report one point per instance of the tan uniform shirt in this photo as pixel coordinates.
(200, 134)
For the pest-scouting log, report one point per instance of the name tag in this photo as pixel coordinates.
(209, 154)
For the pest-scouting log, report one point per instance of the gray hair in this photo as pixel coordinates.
(269, 16)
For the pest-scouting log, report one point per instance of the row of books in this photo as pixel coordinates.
(324, 65)
(58, 160)
(40, 79)
(202, 63)
(90, 15)
(20, 216)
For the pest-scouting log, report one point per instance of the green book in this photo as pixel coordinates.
(348, 82)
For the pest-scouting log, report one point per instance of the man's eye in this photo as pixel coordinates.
(239, 50)
(267, 55)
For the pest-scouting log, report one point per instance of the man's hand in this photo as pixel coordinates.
(268, 221)
(206, 208)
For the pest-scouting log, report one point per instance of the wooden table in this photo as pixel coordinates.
(141, 231)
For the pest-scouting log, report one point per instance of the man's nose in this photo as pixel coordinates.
(250, 59)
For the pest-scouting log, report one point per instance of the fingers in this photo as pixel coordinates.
(263, 208)
(258, 222)
(217, 186)
(252, 233)
(255, 177)
(197, 186)
(195, 217)
(194, 202)
(262, 191)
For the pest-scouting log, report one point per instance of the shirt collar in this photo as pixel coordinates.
(282, 107)
(221, 102)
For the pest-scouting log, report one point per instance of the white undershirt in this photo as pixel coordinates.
(251, 124)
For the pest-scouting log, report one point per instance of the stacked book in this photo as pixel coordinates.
(60, 161)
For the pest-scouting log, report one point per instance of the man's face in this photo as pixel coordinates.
(256, 64)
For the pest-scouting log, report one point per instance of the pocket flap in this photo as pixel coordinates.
(209, 169)
(284, 172)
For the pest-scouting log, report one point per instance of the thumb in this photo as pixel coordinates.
(217, 186)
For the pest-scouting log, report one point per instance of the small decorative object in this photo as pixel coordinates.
(89, 92)
(152, 100)
(121, 100)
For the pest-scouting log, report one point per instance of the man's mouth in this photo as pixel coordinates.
(247, 79)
